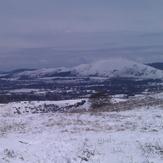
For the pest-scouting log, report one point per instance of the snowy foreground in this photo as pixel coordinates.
(134, 136)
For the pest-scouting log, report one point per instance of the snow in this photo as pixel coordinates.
(118, 68)
(42, 72)
(119, 98)
(23, 90)
(133, 136)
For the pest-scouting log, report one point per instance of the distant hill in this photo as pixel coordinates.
(111, 68)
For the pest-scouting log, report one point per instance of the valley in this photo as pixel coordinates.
(80, 82)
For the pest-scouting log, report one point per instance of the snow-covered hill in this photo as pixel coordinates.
(44, 72)
(116, 67)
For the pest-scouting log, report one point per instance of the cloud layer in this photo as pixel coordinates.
(49, 30)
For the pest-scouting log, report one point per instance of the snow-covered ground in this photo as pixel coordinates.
(133, 136)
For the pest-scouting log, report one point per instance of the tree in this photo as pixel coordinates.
(100, 99)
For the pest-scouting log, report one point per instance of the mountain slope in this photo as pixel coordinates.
(158, 65)
(118, 68)
(105, 68)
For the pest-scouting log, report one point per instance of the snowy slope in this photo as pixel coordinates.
(133, 136)
(114, 67)
(118, 68)
(42, 72)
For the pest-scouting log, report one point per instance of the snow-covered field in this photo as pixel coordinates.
(133, 136)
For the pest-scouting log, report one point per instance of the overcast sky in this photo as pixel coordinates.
(50, 33)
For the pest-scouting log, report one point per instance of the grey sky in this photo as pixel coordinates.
(49, 33)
